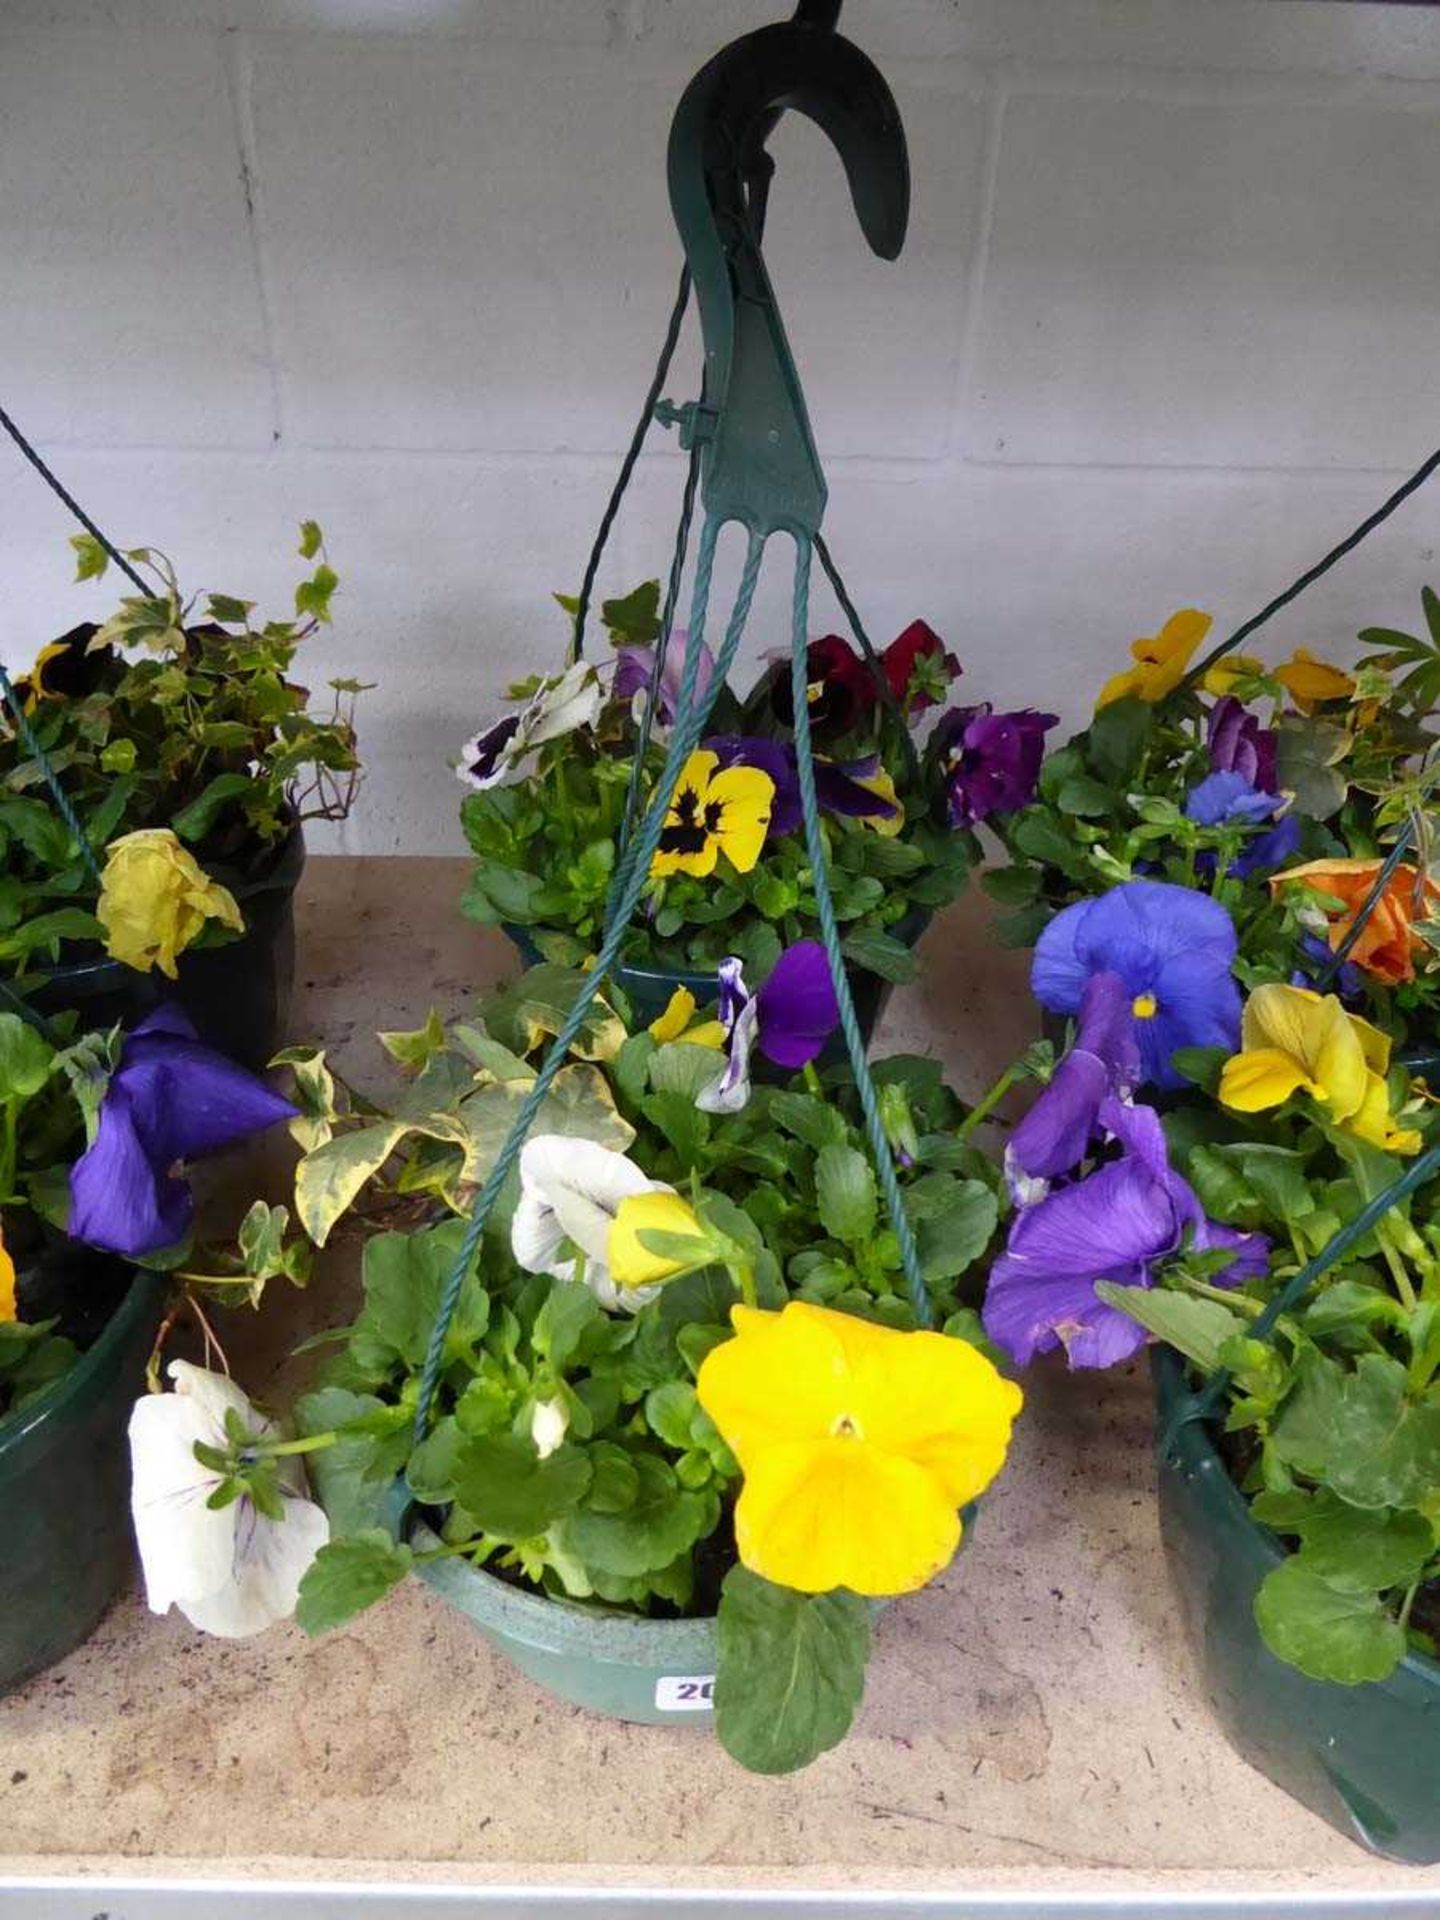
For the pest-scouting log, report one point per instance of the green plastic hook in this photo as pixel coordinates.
(758, 462)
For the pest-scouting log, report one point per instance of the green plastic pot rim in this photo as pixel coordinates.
(562, 1626)
(1192, 1450)
(145, 1292)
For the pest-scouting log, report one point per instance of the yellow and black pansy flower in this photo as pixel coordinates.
(714, 810)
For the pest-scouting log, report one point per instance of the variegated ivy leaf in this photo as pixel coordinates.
(315, 1095)
(418, 1048)
(330, 1180)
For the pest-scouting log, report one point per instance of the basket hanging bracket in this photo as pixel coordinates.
(758, 461)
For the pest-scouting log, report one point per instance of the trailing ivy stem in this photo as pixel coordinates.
(988, 1101)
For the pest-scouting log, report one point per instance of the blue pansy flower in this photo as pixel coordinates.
(1222, 798)
(1172, 947)
(169, 1099)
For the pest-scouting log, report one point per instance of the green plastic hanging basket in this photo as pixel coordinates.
(1366, 1759)
(655, 1672)
(65, 1493)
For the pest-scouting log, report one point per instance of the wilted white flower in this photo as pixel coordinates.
(230, 1570)
(570, 1191)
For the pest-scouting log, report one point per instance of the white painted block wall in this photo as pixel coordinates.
(1168, 323)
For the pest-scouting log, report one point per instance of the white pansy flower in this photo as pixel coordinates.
(229, 1570)
(496, 756)
(570, 1191)
(549, 1424)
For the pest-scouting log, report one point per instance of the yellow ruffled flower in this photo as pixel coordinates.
(9, 1301)
(1311, 682)
(1295, 1041)
(634, 1265)
(859, 1445)
(155, 899)
(674, 1023)
(714, 811)
(1160, 661)
(1221, 678)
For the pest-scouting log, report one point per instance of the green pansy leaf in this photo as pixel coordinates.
(681, 1067)
(954, 1236)
(1115, 740)
(404, 1276)
(845, 1194)
(430, 1471)
(814, 1121)
(352, 1479)
(880, 954)
(26, 1058)
(196, 820)
(1302, 1434)
(790, 1671)
(662, 1521)
(1327, 1632)
(570, 1314)
(503, 1484)
(670, 1412)
(347, 1576)
(1385, 1448)
(1358, 1549)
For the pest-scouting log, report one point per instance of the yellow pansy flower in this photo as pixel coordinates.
(1310, 682)
(155, 899)
(634, 1265)
(674, 1023)
(1295, 1041)
(882, 785)
(1160, 661)
(9, 1302)
(714, 811)
(859, 1445)
(1220, 678)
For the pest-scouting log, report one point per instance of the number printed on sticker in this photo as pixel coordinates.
(685, 1693)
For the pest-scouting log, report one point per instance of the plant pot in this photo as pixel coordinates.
(65, 1493)
(656, 1672)
(1366, 1759)
(237, 995)
(649, 989)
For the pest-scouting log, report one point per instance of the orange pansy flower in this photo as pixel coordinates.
(1388, 942)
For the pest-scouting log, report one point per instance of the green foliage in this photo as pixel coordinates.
(790, 1671)
(168, 716)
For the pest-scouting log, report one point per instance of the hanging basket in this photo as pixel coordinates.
(653, 1672)
(65, 1492)
(1366, 1759)
(650, 989)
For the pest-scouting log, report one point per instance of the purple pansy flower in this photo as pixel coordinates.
(169, 1099)
(1053, 1137)
(1224, 798)
(1117, 1224)
(1239, 744)
(1268, 850)
(634, 666)
(990, 761)
(1347, 981)
(789, 1019)
(1172, 947)
(837, 788)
